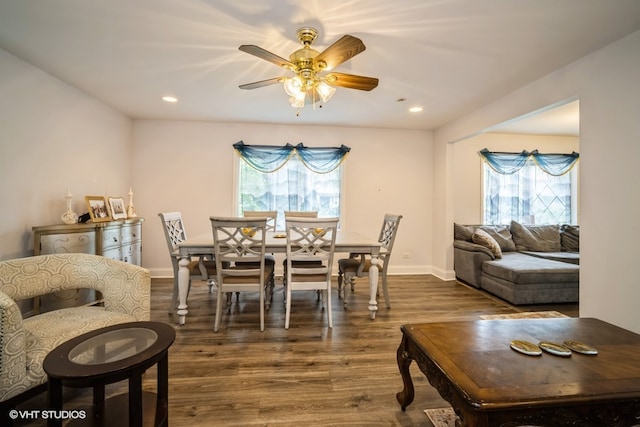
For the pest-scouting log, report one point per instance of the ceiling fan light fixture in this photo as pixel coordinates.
(293, 86)
(298, 100)
(325, 91)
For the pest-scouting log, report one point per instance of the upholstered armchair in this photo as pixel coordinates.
(25, 342)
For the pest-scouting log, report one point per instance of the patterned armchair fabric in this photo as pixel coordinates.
(24, 343)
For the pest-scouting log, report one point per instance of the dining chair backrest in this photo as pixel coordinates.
(270, 215)
(238, 240)
(310, 239)
(174, 231)
(388, 232)
(301, 214)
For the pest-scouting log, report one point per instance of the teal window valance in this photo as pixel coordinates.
(510, 163)
(270, 158)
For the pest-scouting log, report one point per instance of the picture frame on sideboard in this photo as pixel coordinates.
(117, 208)
(98, 210)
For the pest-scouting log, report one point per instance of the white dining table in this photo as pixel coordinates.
(346, 242)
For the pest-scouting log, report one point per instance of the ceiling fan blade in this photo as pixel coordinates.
(267, 56)
(351, 81)
(262, 83)
(346, 47)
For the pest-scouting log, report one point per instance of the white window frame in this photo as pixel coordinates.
(236, 188)
(574, 175)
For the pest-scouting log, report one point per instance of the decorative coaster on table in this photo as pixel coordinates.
(581, 348)
(525, 347)
(555, 349)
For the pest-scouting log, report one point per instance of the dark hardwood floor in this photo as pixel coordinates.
(309, 374)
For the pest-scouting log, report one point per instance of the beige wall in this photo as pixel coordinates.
(189, 167)
(607, 83)
(53, 137)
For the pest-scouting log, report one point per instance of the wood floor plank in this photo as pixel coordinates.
(307, 375)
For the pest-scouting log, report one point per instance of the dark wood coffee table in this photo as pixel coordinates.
(487, 383)
(109, 355)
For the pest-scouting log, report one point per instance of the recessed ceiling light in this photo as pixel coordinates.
(415, 109)
(170, 99)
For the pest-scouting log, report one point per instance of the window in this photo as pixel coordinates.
(529, 196)
(293, 187)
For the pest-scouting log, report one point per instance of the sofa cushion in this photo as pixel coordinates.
(520, 268)
(483, 238)
(537, 238)
(502, 235)
(570, 238)
(463, 232)
(46, 331)
(571, 257)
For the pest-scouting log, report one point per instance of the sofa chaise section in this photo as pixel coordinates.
(524, 279)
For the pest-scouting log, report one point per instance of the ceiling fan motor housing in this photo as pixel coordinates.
(307, 35)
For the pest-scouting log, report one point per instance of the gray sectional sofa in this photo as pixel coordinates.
(518, 263)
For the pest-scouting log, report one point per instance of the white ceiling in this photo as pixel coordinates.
(448, 56)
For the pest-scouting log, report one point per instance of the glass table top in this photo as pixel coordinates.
(112, 346)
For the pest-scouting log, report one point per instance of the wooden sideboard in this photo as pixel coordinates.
(121, 240)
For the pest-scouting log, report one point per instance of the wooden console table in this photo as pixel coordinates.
(488, 384)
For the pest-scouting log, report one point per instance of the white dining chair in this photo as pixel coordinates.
(240, 260)
(358, 265)
(298, 214)
(201, 268)
(310, 249)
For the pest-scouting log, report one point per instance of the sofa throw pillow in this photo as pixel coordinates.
(502, 235)
(536, 238)
(462, 232)
(570, 238)
(483, 238)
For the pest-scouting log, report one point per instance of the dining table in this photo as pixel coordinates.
(276, 242)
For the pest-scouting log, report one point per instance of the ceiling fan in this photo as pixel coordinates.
(313, 81)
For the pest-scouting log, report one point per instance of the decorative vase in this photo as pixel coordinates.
(131, 210)
(69, 216)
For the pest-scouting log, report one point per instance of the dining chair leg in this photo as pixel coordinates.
(216, 325)
(340, 290)
(287, 308)
(330, 317)
(262, 311)
(385, 291)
